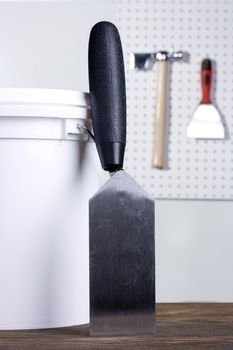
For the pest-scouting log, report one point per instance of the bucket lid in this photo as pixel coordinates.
(49, 103)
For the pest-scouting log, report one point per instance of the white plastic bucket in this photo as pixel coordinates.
(48, 171)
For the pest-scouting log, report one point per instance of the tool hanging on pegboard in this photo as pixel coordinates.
(145, 61)
(206, 122)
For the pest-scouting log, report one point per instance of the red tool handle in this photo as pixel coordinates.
(206, 75)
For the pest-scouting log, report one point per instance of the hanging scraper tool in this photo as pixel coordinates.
(122, 248)
(206, 122)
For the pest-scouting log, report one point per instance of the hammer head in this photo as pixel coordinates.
(145, 61)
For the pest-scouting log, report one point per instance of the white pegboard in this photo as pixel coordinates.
(196, 168)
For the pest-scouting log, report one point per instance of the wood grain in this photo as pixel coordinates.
(179, 326)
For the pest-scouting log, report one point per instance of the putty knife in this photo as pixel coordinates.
(206, 122)
(121, 222)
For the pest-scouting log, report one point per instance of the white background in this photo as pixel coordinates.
(45, 45)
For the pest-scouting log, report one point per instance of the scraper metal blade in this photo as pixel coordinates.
(121, 221)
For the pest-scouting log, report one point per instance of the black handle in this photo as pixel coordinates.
(108, 98)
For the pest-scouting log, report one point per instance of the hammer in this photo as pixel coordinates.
(145, 62)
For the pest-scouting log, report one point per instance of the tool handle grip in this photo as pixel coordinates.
(107, 92)
(160, 117)
(206, 77)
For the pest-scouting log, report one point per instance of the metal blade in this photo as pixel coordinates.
(206, 123)
(122, 259)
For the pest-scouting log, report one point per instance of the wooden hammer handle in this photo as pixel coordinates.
(160, 117)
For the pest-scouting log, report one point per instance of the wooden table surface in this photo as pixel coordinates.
(179, 326)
